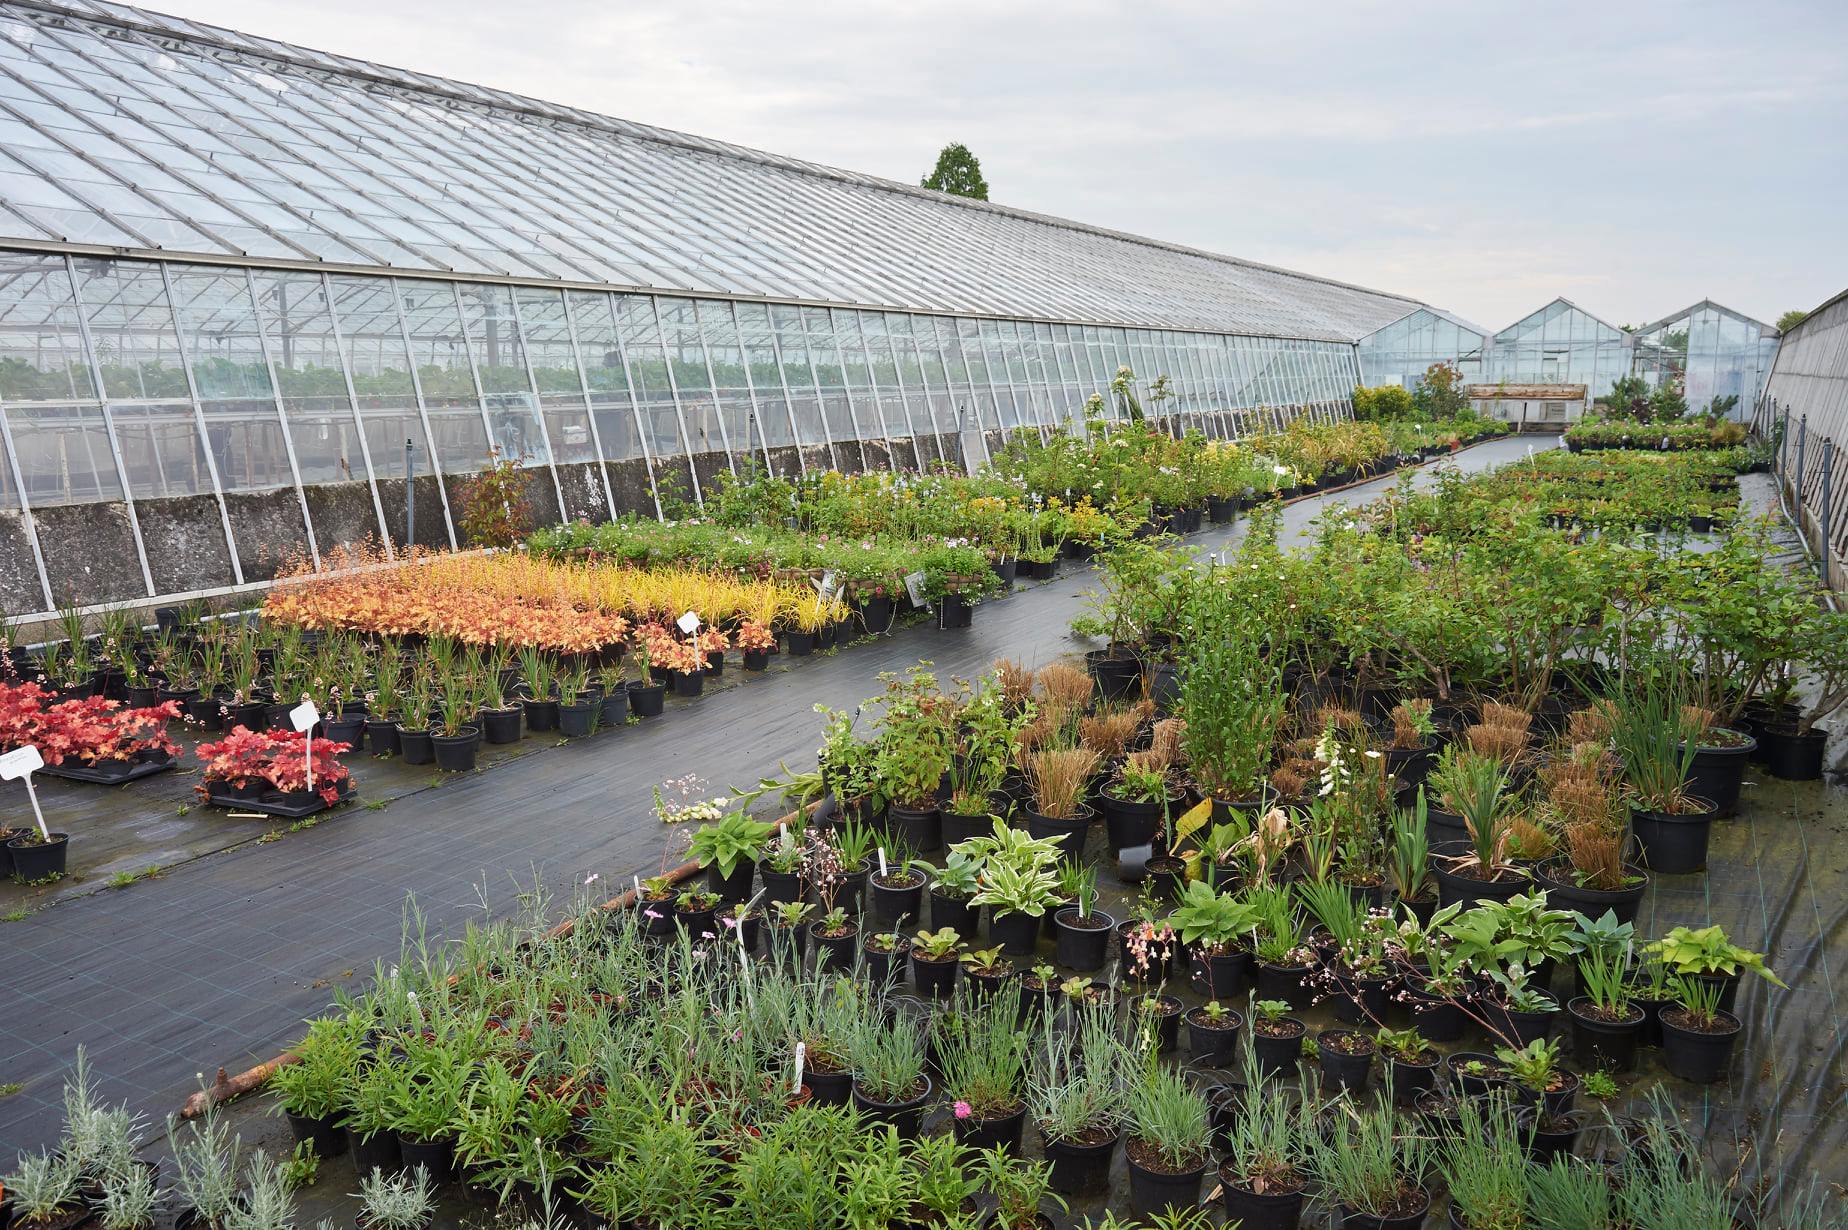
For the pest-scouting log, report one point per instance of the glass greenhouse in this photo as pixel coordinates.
(1716, 352)
(1404, 350)
(240, 277)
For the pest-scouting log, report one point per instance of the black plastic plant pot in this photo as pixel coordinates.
(789, 944)
(1518, 1028)
(735, 887)
(690, 683)
(953, 912)
(1277, 1054)
(1355, 1219)
(1789, 755)
(1082, 942)
(954, 611)
(958, 827)
(541, 715)
(416, 747)
(782, 886)
(850, 894)
(347, 730)
(1444, 828)
(613, 709)
(699, 923)
(1223, 975)
(647, 699)
(456, 753)
(905, 1116)
(1287, 983)
(1129, 823)
(1017, 934)
(876, 615)
(879, 964)
(325, 1135)
(715, 664)
(437, 1157)
(1476, 1084)
(801, 644)
(1003, 1133)
(1718, 771)
(903, 900)
(378, 1151)
(920, 827)
(1222, 509)
(1361, 999)
(1070, 832)
(1080, 1168)
(500, 726)
(1117, 678)
(829, 1088)
(1598, 1043)
(834, 952)
(382, 738)
(756, 659)
(1252, 1211)
(41, 859)
(1698, 1056)
(1436, 1018)
(1454, 888)
(576, 721)
(1552, 1135)
(1672, 844)
(1153, 1190)
(1411, 1079)
(933, 979)
(1211, 1042)
(1340, 1069)
(1161, 1016)
(1563, 893)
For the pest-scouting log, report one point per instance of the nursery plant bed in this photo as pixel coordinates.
(274, 804)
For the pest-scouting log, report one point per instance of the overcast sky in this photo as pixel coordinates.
(1484, 156)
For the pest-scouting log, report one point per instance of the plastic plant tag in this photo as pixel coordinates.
(304, 716)
(19, 765)
(914, 588)
(688, 623)
(882, 862)
(801, 1062)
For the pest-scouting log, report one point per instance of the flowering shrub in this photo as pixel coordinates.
(90, 730)
(277, 757)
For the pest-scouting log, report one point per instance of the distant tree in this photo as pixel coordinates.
(958, 172)
(1785, 323)
(1439, 394)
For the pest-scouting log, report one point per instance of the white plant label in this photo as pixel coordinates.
(914, 588)
(303, 717)
(688, 623)
(801, 1060)
(882, 862)
(19, 765)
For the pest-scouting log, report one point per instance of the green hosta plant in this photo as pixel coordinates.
(734, 839)
(1707, 950)
(939, 945)
(1212, 919)
(1019, 872)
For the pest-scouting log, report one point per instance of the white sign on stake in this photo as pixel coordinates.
(19, 765)
(688, 623)
(303, 717)
(801, 1060)
(882, 863)
(914, 588)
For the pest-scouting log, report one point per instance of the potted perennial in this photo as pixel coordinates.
(1218, 927)
(982, 1060)
(728, 850)
(1083, 931)
(1371, 1170)
(1264, 1174)
(935, 956)
(1019, 882)
(1168, 1140)
(1077, 1084)
(1672, 826)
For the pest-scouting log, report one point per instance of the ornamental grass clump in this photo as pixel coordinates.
(1060, 780)
(1169, 1126)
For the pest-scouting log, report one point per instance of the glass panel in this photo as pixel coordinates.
(500, 361)
(641, 340)
(132, 329)
(220, 322)
(41, 345)
(292, 310)
(799, 374)
(440, 353)
(547, 336)
(367, 313)
(595, 324)
(680, 335)
(766, 374)
(63, 453)
(730, 390)
(829, 378)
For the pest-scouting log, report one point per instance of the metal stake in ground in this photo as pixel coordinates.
(19, 765)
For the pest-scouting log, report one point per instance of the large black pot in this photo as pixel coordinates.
(1003, 1133)
(577, 719)
(325, 1136)
(1117, 678)
(1285, 982)
(954, 611)
(1698, 1057)
(801, 644)
(416, 747)
(347, 730)
(1597, 1043)
(782, 886)
(613, 710)
(500, 725)
(1080, 1169)
(1250, 1211)
(1017, 934)
(1277, 1055)
(736, 887)
(1791, 756)
(456, 753)
(1083, 947)
(647, 699)
(1672, 844)
(955, 913)
(1592, 902)
(382, 737)
(905, 1116)
(933, 979)
(876, 615)
(957, 827)
(541, 715)
(1453, 888)
(40, 860)
(1152, 1191)
(1069, 832)
(1128, 823)
(1719, 770)
(689, 683)
(921, 828)
(378, 1151)
(893, 903)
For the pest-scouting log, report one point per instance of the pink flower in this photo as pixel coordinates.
(962, 1110)
(729, 922)
(651, 913)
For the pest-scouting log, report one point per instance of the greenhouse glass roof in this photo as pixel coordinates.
(128, 132)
